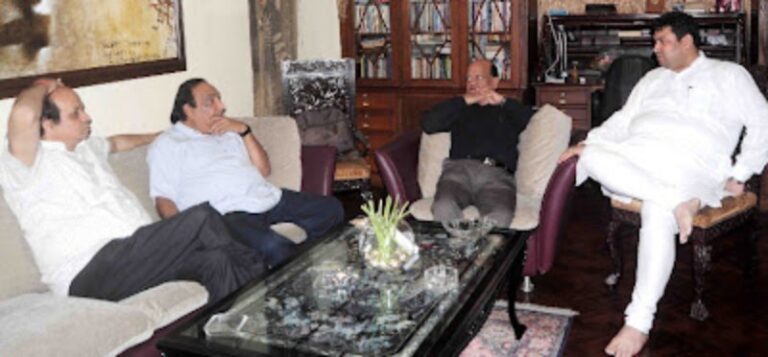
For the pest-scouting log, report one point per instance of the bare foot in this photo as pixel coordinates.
(627, 343)
(684, 214)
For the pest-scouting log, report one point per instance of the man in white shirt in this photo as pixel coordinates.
(207, 157)
(89, 235)
(670, 146)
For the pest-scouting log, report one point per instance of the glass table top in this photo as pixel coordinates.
(327, 301)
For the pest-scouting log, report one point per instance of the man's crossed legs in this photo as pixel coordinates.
(664, 213)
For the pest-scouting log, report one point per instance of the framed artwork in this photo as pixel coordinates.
(88, 41)
(654, 6)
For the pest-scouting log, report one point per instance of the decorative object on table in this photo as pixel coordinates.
(441, 278)
(655, 6)
(469, 229)
(546, 335)
(387, 241)
(332, 283)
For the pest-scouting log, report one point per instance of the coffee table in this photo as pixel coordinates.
(326, 301)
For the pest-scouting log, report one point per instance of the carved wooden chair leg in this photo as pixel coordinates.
(702, 256)
(615, 249)
(752, 259)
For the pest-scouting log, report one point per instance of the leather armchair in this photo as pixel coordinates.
(398, 166)
(317, 167)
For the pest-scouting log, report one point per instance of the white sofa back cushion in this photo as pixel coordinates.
(541, 143)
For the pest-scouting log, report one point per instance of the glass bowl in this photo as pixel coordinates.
(468, 228)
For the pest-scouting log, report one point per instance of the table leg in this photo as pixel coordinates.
(515, 277)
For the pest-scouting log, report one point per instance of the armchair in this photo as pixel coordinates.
(411, 164)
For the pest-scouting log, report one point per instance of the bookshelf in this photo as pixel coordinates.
(590, 36)
(412, 54)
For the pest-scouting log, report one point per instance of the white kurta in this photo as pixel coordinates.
(69, 204)
(682, 128)
(673, 141)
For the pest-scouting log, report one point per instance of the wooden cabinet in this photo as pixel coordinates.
(573, 99)
(412, 54)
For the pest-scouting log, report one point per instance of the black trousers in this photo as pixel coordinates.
(193, 245)
(315, 214)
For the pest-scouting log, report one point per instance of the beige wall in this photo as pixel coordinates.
(318, 29)
(218, 48)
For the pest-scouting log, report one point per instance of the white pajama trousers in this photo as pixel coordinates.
(656, 247)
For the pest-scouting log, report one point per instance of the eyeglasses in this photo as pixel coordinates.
(476, 78)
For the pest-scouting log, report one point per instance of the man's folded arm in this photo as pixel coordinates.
(441, 116)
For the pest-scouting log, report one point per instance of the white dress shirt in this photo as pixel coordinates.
(189, 167)
(69, 205)
(683, 127)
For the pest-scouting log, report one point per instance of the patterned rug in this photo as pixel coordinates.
(546, 334)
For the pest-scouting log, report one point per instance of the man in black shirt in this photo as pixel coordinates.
(485, 127)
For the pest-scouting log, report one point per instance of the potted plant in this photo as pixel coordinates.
(387, 241)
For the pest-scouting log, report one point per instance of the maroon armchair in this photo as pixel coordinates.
(398, 163)
(317, 167)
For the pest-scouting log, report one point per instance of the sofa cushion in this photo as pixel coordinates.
(280, 138)
(434, 148)
(48, 325)
(541, 144)
(19, 274)
(168, 302)
(132, 170)
(526, 212)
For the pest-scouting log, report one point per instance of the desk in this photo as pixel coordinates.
(573, 99)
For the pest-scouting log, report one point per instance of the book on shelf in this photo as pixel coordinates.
(489, 16)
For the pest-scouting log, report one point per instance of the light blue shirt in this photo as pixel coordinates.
(189, 167)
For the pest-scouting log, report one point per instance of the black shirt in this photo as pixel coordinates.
(480, 131)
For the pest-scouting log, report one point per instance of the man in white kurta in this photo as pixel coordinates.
(670, 146)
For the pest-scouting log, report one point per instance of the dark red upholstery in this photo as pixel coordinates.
(398, 163)
(542, 244)
(317, 167)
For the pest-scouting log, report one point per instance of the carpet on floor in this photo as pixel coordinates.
(547, 332)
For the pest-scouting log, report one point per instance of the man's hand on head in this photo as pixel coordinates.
(223, 124)
(49, 84)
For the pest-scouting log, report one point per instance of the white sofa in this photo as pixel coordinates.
(34, 322)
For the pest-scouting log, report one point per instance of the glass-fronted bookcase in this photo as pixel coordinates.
(412, 54)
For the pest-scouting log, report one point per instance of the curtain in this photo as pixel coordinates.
(273, 39)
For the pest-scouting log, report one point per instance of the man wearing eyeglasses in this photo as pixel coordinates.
(485, 128)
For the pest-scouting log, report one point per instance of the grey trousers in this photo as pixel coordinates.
(468, 182)
(193, 245)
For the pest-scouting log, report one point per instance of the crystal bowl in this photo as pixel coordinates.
(468, 228)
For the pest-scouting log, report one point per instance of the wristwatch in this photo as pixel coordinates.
(246, 132)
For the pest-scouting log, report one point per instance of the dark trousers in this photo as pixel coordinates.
(314, 213)
(469, 182)
(193, 245)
